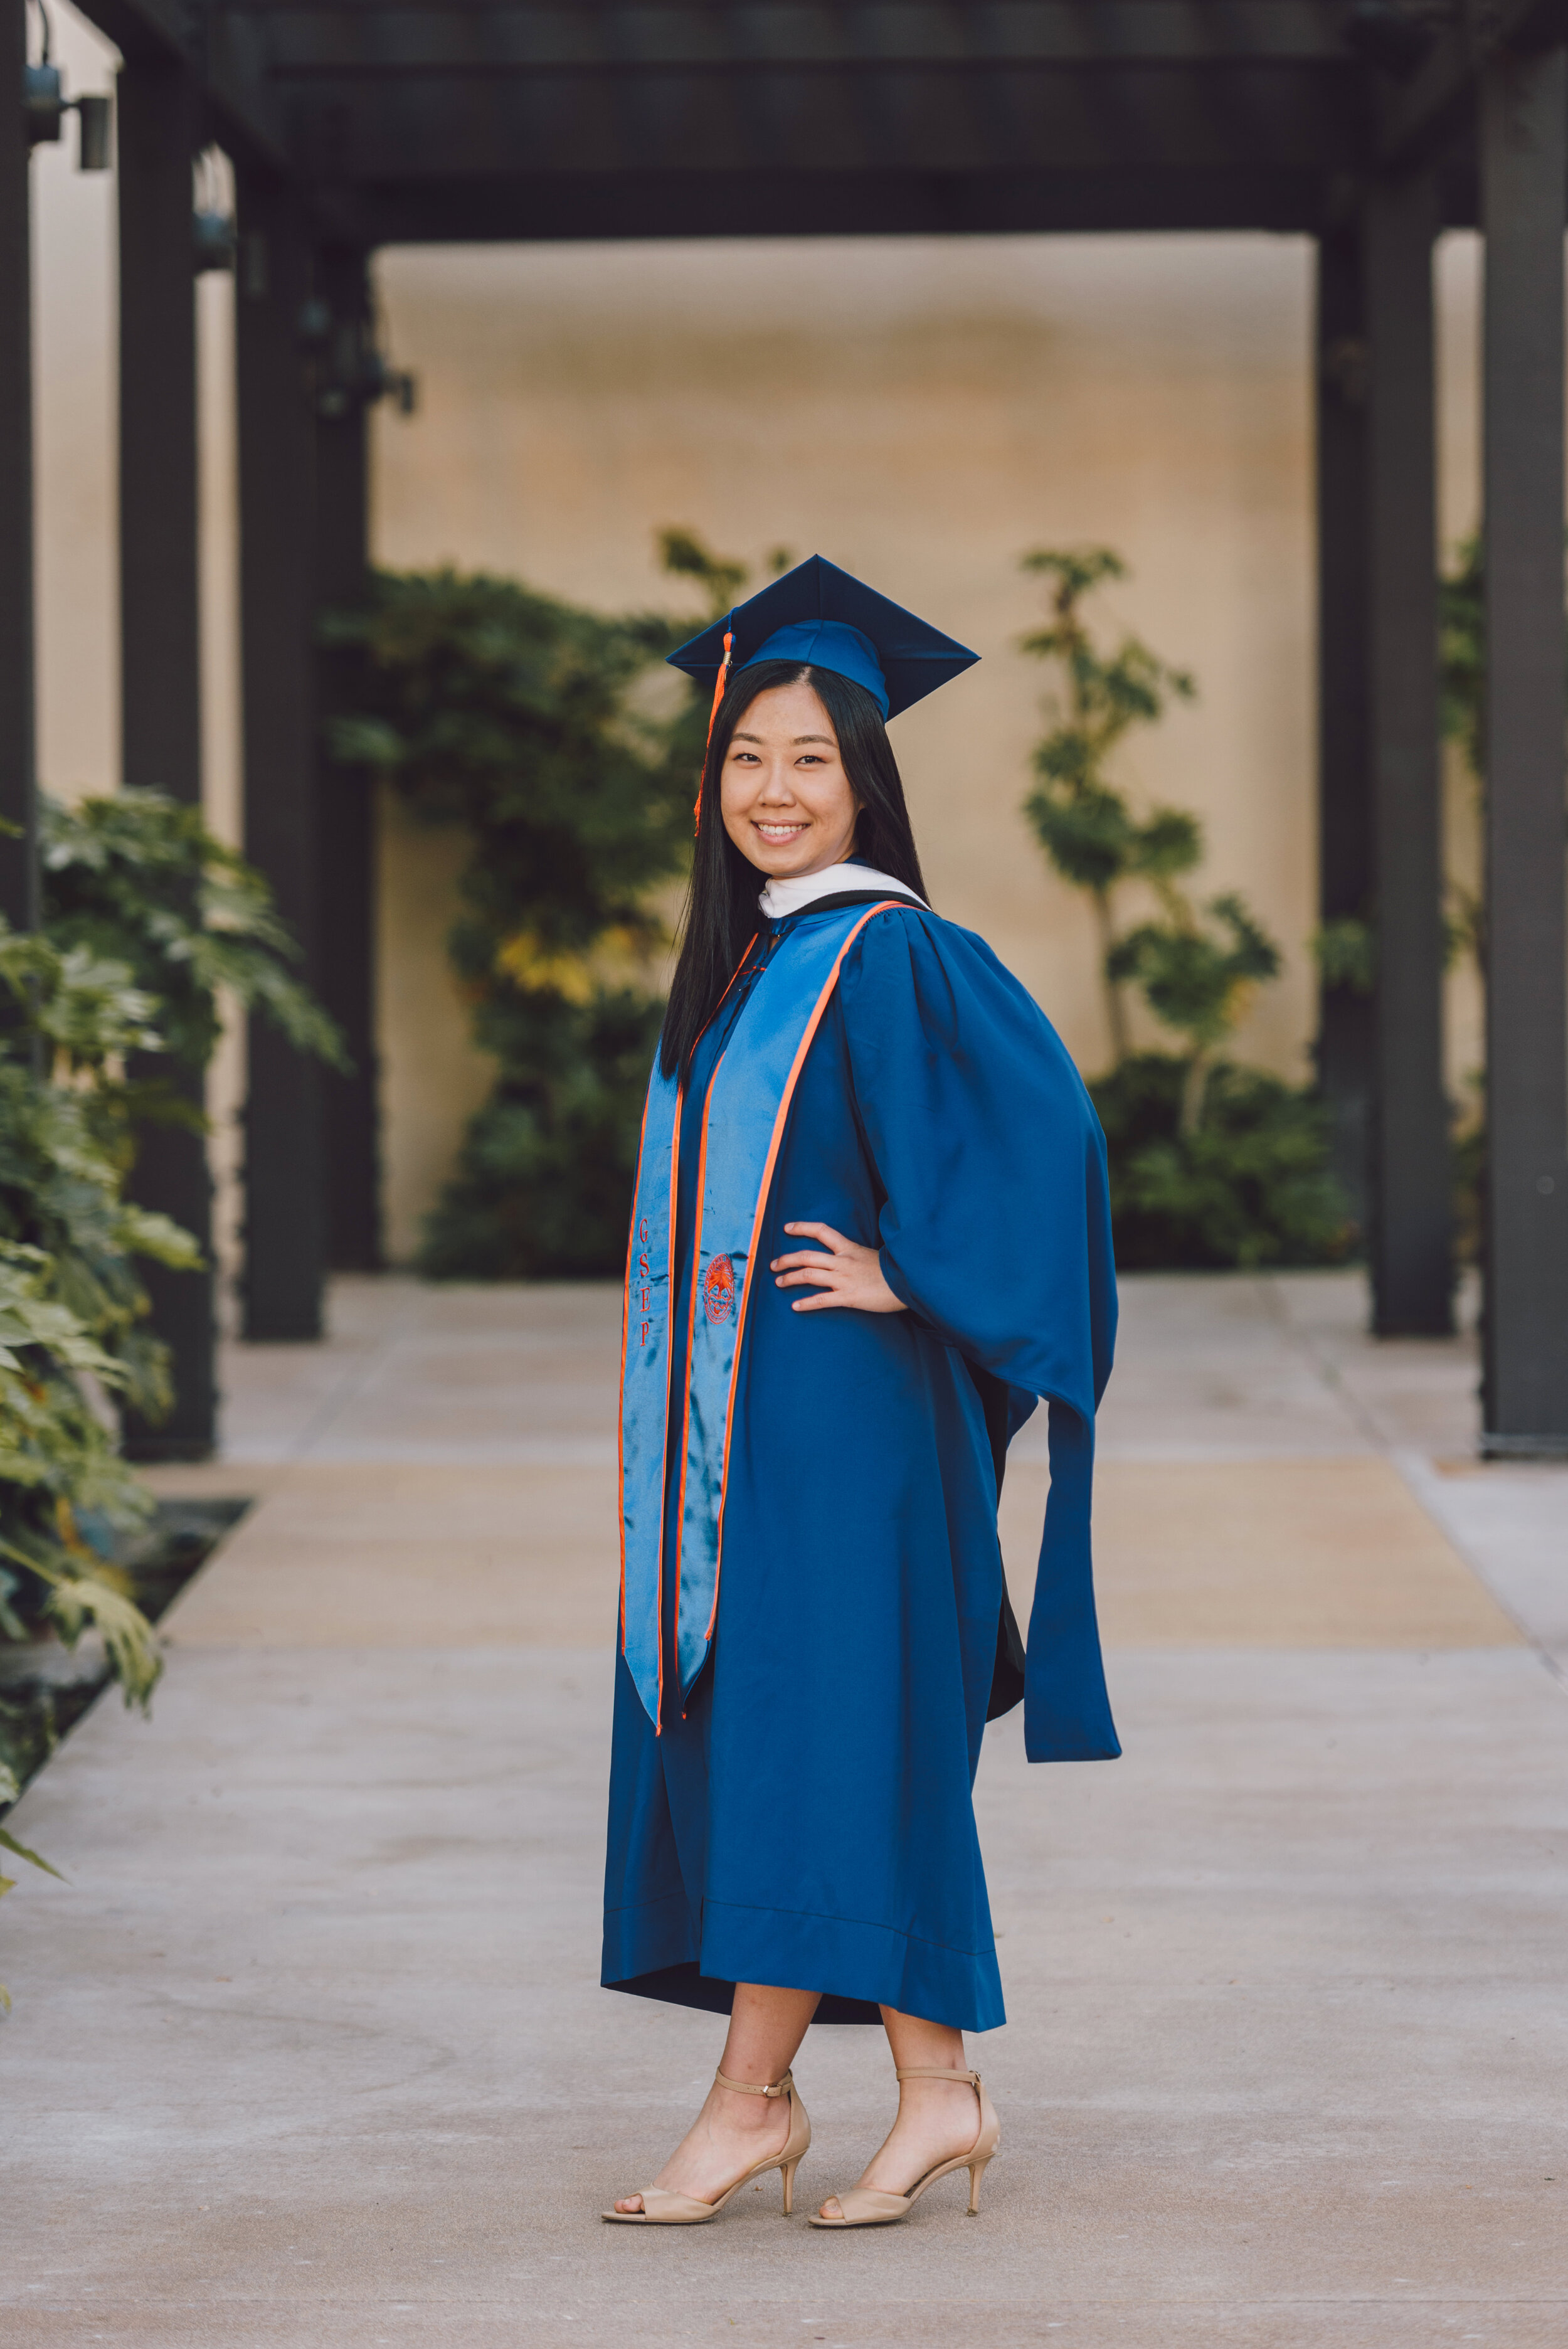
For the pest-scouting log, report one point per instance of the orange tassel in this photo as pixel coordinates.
(719, 683)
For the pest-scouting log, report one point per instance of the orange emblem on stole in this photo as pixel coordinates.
(719, 1290)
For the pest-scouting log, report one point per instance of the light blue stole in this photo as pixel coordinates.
(743, 1122)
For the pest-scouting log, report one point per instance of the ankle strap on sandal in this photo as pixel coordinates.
(750, 2089)
(936, 2072)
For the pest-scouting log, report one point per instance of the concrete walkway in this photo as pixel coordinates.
(311, 2051)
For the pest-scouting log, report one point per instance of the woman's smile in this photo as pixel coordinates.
(786, 802)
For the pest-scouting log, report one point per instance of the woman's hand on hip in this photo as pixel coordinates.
(847, 1275)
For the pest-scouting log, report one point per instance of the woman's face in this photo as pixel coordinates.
(785, 797)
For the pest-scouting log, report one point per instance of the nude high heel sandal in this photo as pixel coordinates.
(663, 2209)
(863, 2206)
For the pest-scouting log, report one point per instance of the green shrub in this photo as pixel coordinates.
(137, 878)
(517, 718)
(1247, 1185)
(71, 1306)
(547, 1165)
(1211, 1164)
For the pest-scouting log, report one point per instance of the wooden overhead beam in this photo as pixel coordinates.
(1441, 99)
(477, 35)
(145, 32)
(618, 206)
(229, 65)
(807, 125)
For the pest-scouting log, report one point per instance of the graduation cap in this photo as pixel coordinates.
(817, 613)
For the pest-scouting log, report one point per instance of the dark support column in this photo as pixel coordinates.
(1525, 187)
(1412, 1216)
(284, 1223)
(1344, 1043)
(160, 646)
(18, 860)
(346, 794)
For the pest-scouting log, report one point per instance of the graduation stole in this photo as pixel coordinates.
(743, 1121)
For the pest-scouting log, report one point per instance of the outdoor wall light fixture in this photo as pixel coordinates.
(44, 107)
(352, 371)
(213, 238)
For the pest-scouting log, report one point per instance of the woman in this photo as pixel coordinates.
(870, 1229)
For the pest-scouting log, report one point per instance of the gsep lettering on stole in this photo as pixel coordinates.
(642, 1276)
(719, 1290)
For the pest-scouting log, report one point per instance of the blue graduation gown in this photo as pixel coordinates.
(805, 1819)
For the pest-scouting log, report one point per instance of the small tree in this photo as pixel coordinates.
(1210, 1164)
(1082, 822)
(1197, 982)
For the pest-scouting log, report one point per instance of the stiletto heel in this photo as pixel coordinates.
(661, 2208)
(865, 2206)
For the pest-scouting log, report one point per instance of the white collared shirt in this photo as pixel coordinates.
(789, 893)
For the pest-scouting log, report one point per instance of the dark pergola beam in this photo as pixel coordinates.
(158, 118)
(228, 58)
(767, 35)
(633, 205)
(18, 862)
(1524, 188)
(284, 1180)
(1411, 1213)
(1441, 99)
(686, 127)
(151, 32)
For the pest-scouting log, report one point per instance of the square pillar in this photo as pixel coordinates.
(1412, 1220)
(1524, 188)
(284, 1218)
(161, 704)
(1346, 1033)
(347, 795)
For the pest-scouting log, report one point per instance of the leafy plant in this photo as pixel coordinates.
(517, 717)
(147, 919)
(1197, 974)
(137, 878)
(72, 1311)
(1084, 824)
(1211, 1164)
(1249, 1185)
(71, 1308)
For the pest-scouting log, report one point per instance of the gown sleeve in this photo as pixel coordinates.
(995, 1231)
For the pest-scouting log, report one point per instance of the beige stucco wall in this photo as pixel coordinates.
(920, 411)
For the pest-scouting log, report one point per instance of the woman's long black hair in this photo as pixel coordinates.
(721, 910)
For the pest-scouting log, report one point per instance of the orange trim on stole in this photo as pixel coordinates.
(691, 1324)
